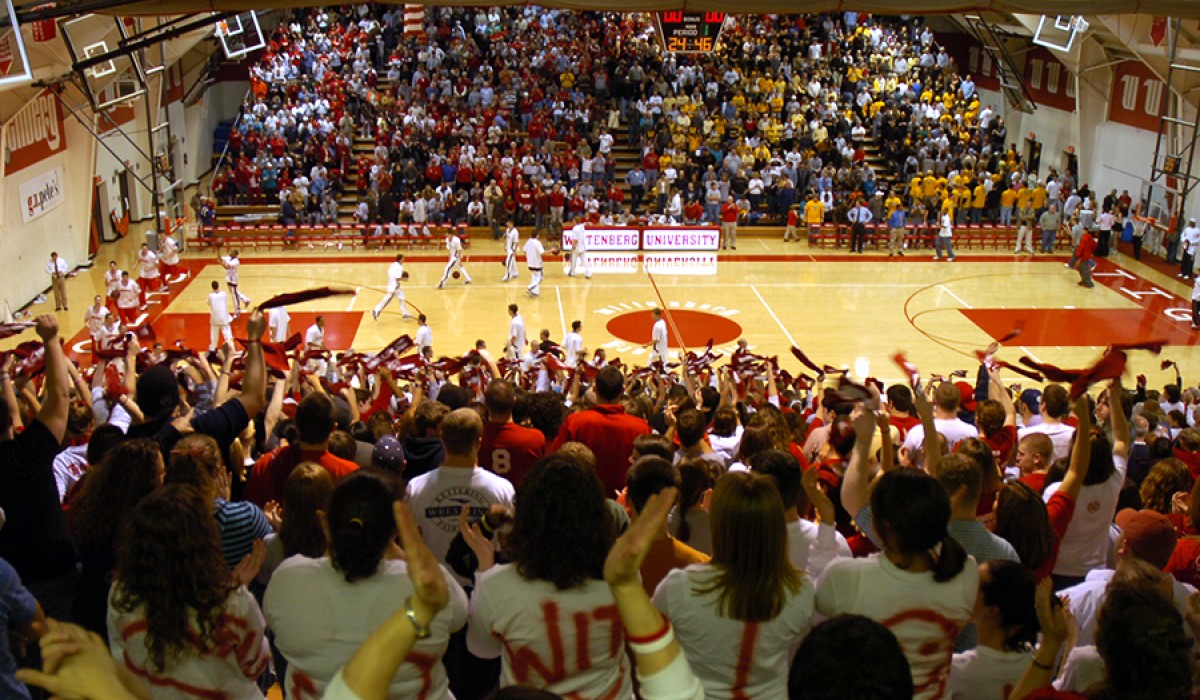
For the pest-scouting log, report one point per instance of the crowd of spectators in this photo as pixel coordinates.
(395, 525)
(516, 112)
(223, 523)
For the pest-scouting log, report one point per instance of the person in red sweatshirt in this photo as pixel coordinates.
(729, 222)
(1083, 254)
(606, 429)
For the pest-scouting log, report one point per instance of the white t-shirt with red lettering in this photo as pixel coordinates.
(228, 671)
(567, 642)
(925, 615)
(320, 620)
(732, 658)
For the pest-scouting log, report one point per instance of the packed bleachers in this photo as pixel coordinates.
(543, 116)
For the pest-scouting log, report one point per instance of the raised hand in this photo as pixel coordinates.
(485, 553)
(429, 584)
(77, 664)
(256, 325)
(812, 487)
(46, 326)
(629, 551)
(247, 569)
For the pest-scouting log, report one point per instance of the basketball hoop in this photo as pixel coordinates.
(1060, 33)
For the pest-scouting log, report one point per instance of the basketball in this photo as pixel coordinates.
(556, 250)
(456, 274)
(404, 276)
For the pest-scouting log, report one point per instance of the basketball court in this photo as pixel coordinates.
(841, 309)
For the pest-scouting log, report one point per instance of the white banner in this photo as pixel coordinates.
(681, 263)
(607, 238)
(679, 238)
(41, 194)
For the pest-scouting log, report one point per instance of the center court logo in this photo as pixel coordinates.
(694, 323)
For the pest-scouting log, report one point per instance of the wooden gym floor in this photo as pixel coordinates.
(841, 309)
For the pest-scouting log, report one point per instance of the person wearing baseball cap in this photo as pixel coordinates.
(388, 455)
(1147, 536)
(1029, 404)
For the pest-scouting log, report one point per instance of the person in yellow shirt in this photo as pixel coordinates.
(892, 202)
(814, 215)
(915, 193)
(1024, 197)
(1039, 199)
(978, 202)
(1007, 199)
(972, 111)
(930, 185)
(962, 203)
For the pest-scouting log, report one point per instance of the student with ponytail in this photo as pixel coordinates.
(321, 609)
(922, 585)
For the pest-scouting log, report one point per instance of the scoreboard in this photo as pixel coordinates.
(689, 32)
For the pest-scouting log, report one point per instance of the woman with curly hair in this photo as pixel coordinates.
(1166, 478)
(196, 461)
(322, 608)
(177, 616)
(550, 613)
(129, 472)
(782, 434)
(749, 603)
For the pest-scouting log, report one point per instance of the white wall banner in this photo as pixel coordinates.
(607, 238)
(42, 194)
(678, 238)
(647, 238)
(681, 263)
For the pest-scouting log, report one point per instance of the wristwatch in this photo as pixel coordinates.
(422, 631)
